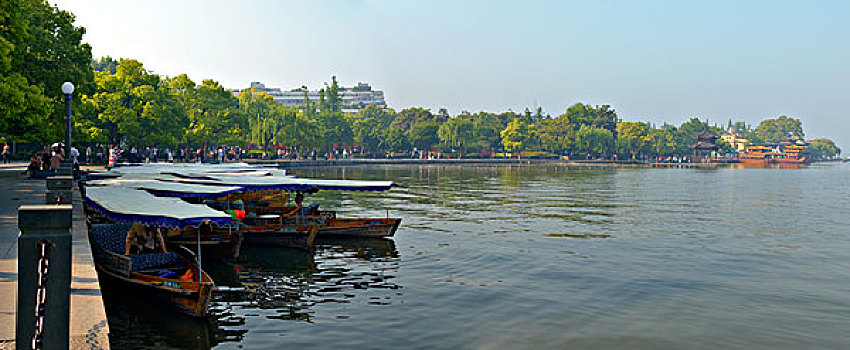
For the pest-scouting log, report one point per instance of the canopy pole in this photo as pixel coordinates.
(200, 261)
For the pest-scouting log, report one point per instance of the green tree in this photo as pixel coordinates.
(265, 116)
(456, 132)
(213, 112)
(594, 140)
(556, 134)
(600, 116)
(822, 148)
(423, 135)
(334, 129)
(368, 126)
(105, 64)
(135, 105)
(514, 135)
(773, 130)
(333, 103)
(40, 48)
(632, 137)
(660, 142)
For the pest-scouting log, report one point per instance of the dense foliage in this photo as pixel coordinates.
(39, 49)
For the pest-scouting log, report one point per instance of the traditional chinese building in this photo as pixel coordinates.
(705, 145)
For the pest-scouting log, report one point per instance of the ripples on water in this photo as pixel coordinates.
(546, 257)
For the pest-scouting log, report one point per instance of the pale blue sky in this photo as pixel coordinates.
(652, 60)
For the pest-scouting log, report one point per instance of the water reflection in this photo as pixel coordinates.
(270, 282)
(287, 284)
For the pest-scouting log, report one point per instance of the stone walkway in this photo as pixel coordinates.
(89, 329)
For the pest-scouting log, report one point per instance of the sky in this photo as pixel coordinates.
(653, 61)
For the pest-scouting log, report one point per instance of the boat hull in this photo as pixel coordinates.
(273, 236)
(373, 227)
(191, 302)
(223, 246)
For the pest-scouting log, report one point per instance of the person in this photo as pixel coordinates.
(155, 242)
(74, 155)
(6, 153)
(299, 205)
(88, 155)
(144, 240)
(135, 241)
(45, 158)
(35, 164)
(56, 160)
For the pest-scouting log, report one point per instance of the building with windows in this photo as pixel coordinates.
(735, 139)
(352, 98)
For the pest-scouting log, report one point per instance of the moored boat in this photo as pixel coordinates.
(174, 278)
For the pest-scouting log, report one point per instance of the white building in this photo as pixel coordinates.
(353, 98)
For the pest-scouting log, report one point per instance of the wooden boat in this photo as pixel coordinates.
(157, 275)
(327, 224)
(174, 277)
(270, 211)
(289, 237)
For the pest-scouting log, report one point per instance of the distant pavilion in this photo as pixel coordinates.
(706, 143)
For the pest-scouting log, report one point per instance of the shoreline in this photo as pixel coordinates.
(286, 163)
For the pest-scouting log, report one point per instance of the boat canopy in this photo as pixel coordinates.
(287, 183)
(126, 204)
(170, 189)
(149, 170)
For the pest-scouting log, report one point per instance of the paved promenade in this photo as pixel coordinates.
(89, 329)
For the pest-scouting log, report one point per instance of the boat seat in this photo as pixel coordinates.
(113, 237)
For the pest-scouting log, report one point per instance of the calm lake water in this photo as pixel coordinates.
(541, 257)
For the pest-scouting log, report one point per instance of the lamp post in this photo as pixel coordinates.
(67, 89)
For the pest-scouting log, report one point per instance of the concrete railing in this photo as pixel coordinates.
(44, 277)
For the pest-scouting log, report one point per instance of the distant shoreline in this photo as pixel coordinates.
(285, 163)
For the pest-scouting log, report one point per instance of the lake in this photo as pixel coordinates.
(540, 257)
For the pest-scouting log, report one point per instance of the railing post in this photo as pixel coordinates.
(59, 190)
(44, 276)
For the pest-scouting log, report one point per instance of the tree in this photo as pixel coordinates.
(683, 136)
(773, 130)
(264, 114)
(823, 148)
(334, 129)
(39, 49)
(556, 134)
(600, 116)
(213, 112)
(423, 135)
(456, 132)
(135, 105)
(486, 132)
(409, 116)
(660, 142)
(632, 137)
(594, 140)
(369, 125)
(105, 64)
(333, 103)
(514, 135)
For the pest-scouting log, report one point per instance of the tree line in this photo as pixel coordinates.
(120, 101)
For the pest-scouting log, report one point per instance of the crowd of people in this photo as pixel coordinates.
(50, 158)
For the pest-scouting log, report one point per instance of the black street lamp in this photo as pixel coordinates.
(67, 89)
